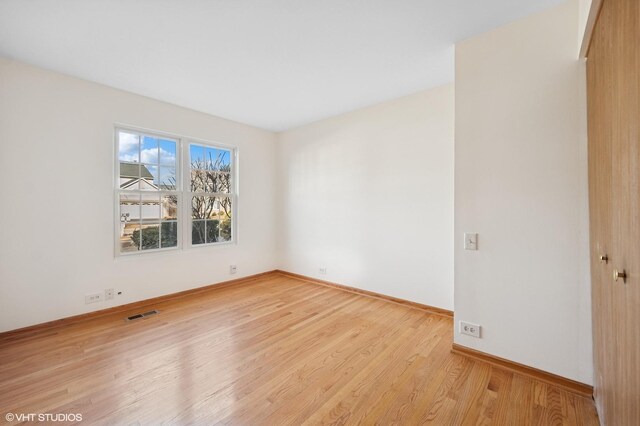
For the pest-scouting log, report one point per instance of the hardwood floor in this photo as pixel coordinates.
(273, 351)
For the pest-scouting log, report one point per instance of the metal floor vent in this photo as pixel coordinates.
(143, 315)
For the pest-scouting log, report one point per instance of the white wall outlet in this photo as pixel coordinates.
(323, 270)
(233, 269)
(470, 329)
(93, 298)
(109, 294)
(470, 241)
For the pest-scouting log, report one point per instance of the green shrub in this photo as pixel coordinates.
(225, 230)
(150, 236)
(212, 231)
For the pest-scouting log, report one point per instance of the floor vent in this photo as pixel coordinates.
(143, 315)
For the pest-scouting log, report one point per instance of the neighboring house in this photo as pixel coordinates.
(137, 176)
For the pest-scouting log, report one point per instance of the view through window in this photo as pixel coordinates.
(211, 194)
(150, 194)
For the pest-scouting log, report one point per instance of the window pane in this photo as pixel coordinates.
(129, 221)
(225, 160)
(149, 236)
(129, 175)
(149, 177)
(225, 219)
(169, 207)
(127, 242)
(212, 207)
(217, 159)
(210, 181)
(196, 156)
(198, 207)
(212, 231)
(168, 152)
(198, 180)
(128, 147)
(169, 234)
(150, 208)
(149, 150)
(129, 208)
(224, 183)
(197, 232)
(167, 178)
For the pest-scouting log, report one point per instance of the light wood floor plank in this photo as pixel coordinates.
(276, 350)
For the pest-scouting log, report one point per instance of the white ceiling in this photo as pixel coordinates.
(274, 64)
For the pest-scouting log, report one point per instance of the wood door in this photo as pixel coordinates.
(613, 80)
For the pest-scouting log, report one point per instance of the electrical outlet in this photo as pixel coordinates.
(109, 294)
(472, 330)
(233, 269)
(93, 298)
(323, 270)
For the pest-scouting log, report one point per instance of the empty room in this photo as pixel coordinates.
(279, 212)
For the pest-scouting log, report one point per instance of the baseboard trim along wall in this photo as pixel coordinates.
(553, 379)
(408, 303)
(130, 306)
(137, 305)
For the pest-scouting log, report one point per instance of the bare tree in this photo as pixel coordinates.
(211, 176)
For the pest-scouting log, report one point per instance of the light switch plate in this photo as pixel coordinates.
(470, 241)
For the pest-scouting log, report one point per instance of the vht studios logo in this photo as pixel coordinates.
(43, 417)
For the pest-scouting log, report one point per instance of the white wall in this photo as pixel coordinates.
(369, 196)
(584, 7)
(520, 182)
(56, 152)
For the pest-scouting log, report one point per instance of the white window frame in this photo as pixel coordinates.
(182, 191)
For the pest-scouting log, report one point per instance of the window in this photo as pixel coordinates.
(153, 205)
(211, 194)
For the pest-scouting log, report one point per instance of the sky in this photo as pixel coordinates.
(159, 155)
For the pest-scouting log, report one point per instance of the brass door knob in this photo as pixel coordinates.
(604, 258)
(620, 274)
